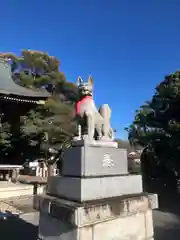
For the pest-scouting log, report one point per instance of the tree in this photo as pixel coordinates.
(5, 136)
(39, 71)
(156, 127)
(49, 126)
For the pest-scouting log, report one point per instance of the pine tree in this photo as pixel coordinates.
(39, 71)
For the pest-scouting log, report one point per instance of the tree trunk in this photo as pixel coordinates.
(50, 170)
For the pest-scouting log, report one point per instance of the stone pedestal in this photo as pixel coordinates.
(95, 198)
(128, 218)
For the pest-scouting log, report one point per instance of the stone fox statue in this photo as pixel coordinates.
(97, 122)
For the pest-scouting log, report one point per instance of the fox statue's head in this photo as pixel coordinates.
(85, 88)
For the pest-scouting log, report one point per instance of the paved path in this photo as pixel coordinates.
(23, 227)
(167, 225)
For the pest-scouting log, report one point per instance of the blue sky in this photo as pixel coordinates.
(126, 45)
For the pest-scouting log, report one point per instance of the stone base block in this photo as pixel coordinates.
(114, 219)
(94, 143)
(90, 161)
(87, 189)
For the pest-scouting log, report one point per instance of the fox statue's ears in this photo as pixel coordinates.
(79, 81)
(90, 81)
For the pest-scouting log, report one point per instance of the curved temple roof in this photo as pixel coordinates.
(8, 86)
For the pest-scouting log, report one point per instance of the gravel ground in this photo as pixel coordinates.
(23, 204)
(25, 226)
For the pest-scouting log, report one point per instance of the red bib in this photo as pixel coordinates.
(78, 104)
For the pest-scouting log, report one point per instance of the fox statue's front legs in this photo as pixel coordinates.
(90, 125)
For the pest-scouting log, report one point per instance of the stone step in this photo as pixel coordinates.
(88, 189)
(9, 190)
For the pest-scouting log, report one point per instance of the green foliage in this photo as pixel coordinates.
(5, 136)
(156, 127)
(55, 120)
(40, 71)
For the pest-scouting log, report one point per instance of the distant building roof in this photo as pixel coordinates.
(133, 152)
(134, 155)
(8, 86)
